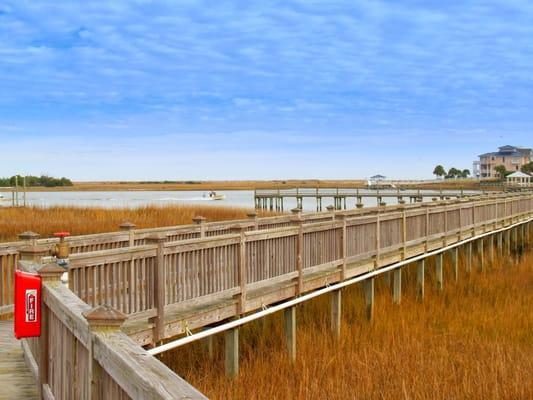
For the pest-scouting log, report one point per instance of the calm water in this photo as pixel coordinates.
(235, 198)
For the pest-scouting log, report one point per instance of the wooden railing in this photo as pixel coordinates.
(138, 237)
(148, 281)
(82, 354)
(129, 236)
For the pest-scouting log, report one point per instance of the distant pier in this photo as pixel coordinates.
(274, 199)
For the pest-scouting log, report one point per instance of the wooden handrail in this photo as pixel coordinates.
(103, 357)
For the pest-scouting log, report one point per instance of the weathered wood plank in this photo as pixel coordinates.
(16, 378)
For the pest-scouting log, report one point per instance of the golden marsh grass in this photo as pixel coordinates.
(472, 341)
(87, 220)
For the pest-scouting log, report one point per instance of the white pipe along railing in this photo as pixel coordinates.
(252, 317)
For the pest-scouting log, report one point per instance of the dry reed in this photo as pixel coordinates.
(474, 340)
(81, 221)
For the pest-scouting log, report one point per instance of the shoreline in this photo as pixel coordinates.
(249, 185)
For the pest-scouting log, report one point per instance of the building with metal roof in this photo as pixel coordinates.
(511, 157)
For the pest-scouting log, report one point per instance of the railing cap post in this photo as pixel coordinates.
(341, 215)
(104, 318)
(199, 219)
(238, 228)
(155, 239)
(51, 272)
(34, 252)
(127, 226)
(29, 236)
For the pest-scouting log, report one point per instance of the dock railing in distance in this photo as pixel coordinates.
(129, 236)
(206, 270)
(82, 354)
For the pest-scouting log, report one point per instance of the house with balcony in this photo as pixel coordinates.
(512, 157)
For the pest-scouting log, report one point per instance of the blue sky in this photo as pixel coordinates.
(272, 89)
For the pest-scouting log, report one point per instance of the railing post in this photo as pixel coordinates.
(378, 240)
(100, 319)
(159, 288)
(404, 233)
(344, 243)
(331, 209)
(129, 227)
(32, 251)
(243, 279)
(253, 216)
(299, 249)
(200, 221)
(427, 229)
(49, 273)
(445, 224)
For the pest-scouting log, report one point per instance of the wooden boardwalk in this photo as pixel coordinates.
(16, 380)
(142, 287)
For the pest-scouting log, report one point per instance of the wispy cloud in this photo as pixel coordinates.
(310, 78)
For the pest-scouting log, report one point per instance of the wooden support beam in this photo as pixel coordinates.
(455, 262)
(231, 359)
(508, 246)
(481, 258)
(439, 271)
(469, 257)
(397, 286)
(208, 344)
(290, 331)
(387, 279)
(420, 271)
(336, 313)
(500, 244)
(368, 286)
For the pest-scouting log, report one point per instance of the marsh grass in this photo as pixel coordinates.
(87, 220)
(472, 341)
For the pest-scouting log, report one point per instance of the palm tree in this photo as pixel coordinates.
(453, 173)
(465, 173)
(527, 168)
(501, 170)
(439, 171)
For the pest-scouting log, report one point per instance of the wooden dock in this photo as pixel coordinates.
(130, 291)
(16, 380)
(274, 199)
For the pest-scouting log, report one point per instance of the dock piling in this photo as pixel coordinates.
(231, 337)
(397, 286)
(420, 279)
(439, 272)
(336, 313)
(368, 286)
(290, 331)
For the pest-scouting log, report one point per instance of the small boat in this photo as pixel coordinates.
(214, 196)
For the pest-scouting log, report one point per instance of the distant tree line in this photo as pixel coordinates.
(453, 173)
(43, 180)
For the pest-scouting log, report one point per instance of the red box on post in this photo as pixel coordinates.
(27, 305)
